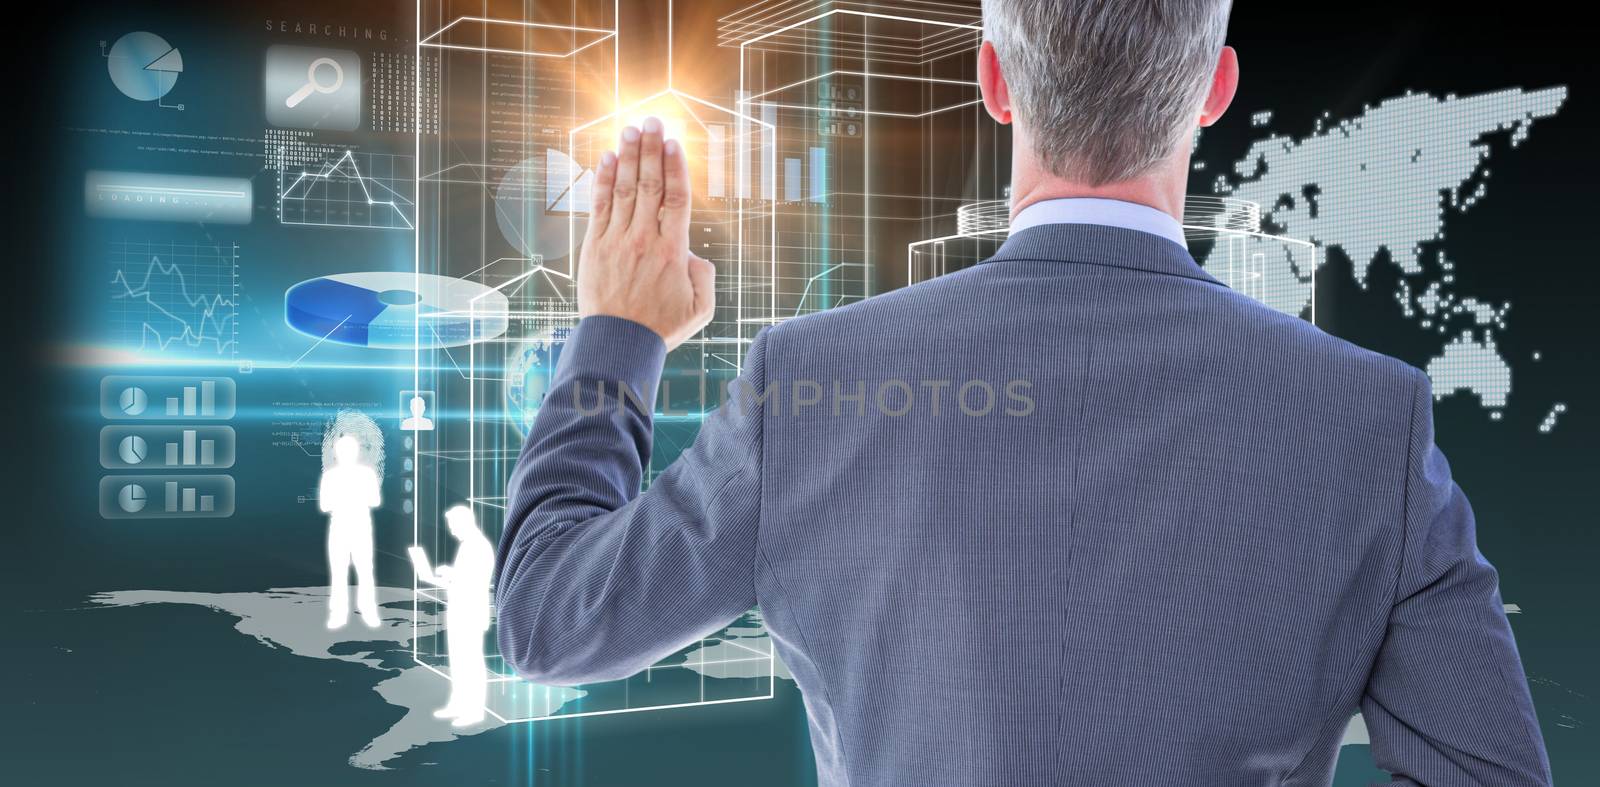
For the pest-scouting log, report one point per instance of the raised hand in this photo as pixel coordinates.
(636, 262)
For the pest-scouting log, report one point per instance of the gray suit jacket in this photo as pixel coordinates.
(1187, 538)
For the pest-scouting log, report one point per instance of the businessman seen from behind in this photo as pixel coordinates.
(1185, 542)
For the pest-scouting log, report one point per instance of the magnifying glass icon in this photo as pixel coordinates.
(312, 85)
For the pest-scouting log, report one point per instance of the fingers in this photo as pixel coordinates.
(605, 176)
(675, 200)
(626, 188)
(647, 208)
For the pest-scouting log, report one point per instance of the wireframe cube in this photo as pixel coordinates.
(502, 203)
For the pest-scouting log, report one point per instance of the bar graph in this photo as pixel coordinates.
(192, 502)
(791, 180)
(818, 175)
(181, 447)
(207, 402)
(769, 141)
(191, 446)
(741, 159)
(169, 497)
(716, 160)
(123, 397)
(186, 455)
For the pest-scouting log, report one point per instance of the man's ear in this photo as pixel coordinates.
(992, 84)
(1224, 83)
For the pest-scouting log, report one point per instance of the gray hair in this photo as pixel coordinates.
(1106, 88)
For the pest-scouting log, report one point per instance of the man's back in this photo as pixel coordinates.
(1080, 515)
(1177, 568)
(1152, 532)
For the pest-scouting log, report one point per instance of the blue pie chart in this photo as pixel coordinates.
(396, 310)
(144, 66)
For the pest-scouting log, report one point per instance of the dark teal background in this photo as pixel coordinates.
(172, 695)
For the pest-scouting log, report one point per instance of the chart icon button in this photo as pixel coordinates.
(132, 498)
(133, 400)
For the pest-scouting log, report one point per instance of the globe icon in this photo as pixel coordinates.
(528, 373)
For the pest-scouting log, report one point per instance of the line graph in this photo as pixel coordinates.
(370, 190)
(176, 298)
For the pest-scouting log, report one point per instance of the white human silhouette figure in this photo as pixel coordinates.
(417, 423)
(348, 493)
(466, 615)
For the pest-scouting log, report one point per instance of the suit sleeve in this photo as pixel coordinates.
(1447, 702)
(596, 581)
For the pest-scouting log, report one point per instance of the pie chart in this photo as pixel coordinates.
(133, 400)
(396, 310)
(567, 185)
(144, 66)
(133, 450)
(541, 203)
(132, 498)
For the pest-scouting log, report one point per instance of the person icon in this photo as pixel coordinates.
(417, 422)
(466, 615)
(348, 493)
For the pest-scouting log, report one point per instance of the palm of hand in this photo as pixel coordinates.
(636, 262)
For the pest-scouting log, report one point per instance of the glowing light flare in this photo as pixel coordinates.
(712, 137)
(674, 126)
(677, 123)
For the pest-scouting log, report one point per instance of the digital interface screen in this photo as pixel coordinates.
(267, 230)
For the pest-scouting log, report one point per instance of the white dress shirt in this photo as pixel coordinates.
(1106, 212)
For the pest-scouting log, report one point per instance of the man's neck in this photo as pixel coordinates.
(1162, 189)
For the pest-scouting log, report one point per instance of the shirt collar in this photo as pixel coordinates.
(1105, 212)
(1098, 244)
